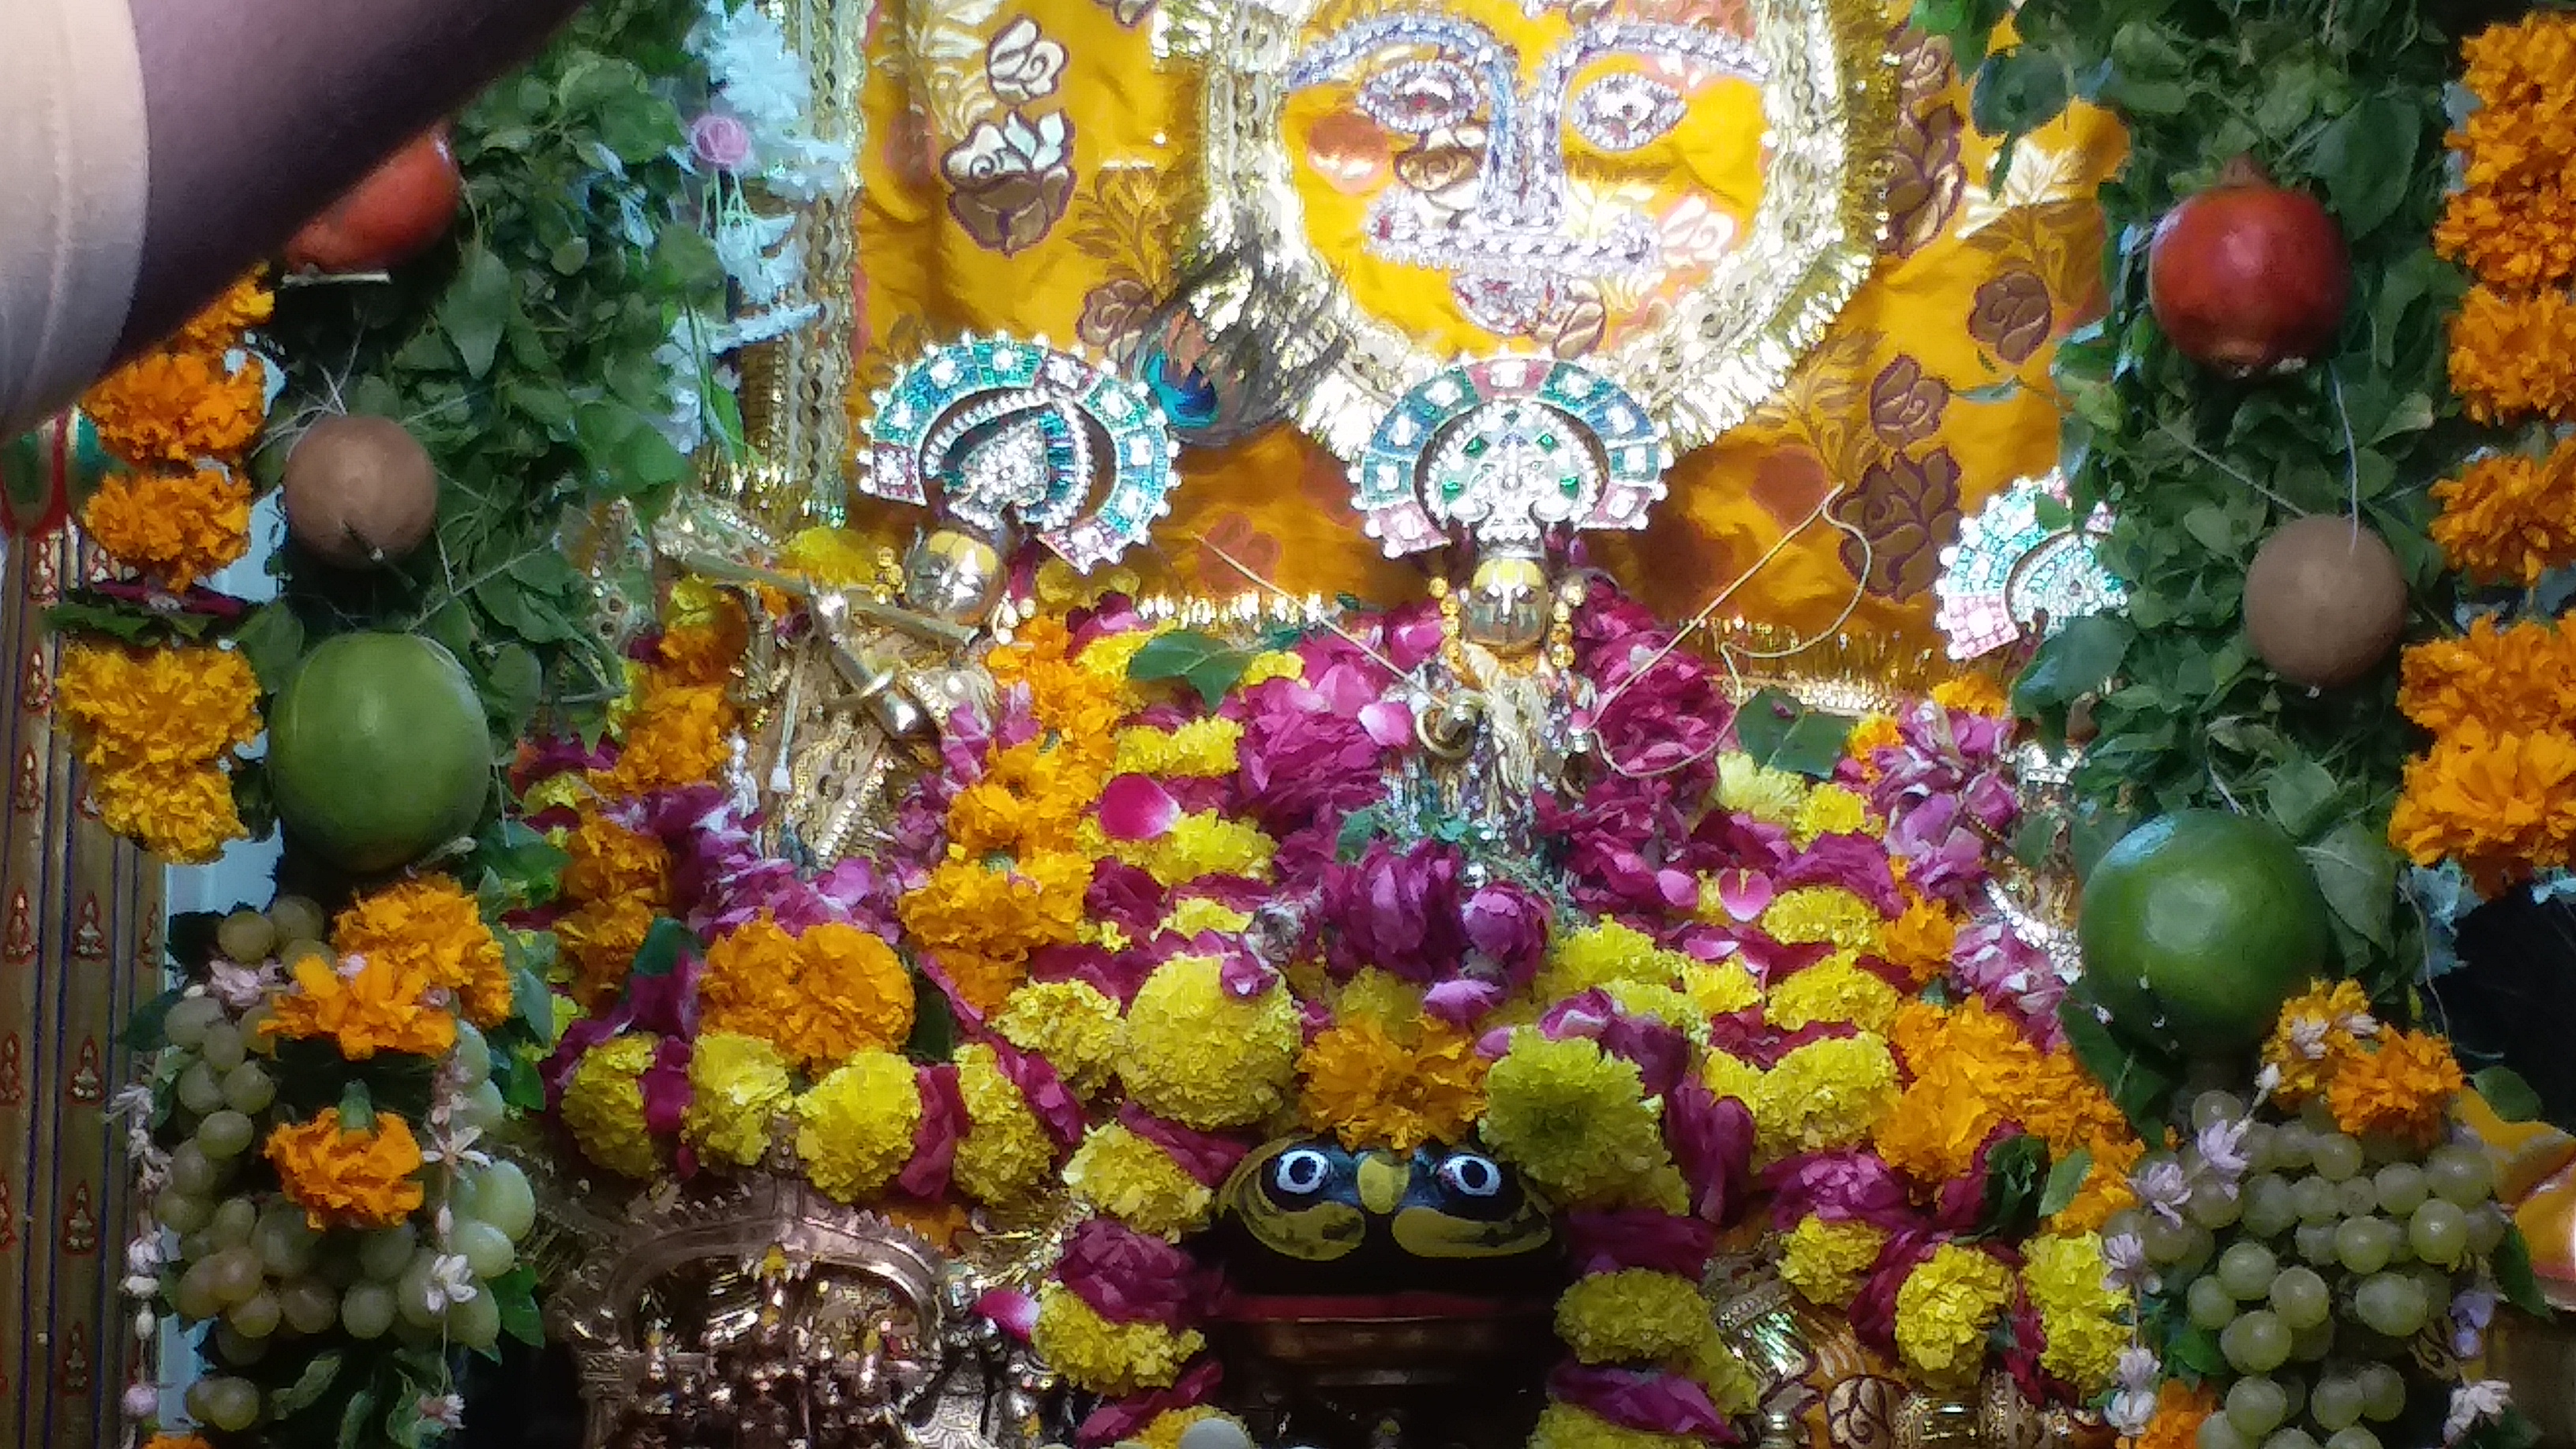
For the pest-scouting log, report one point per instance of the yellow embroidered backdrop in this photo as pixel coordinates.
(1027, 168)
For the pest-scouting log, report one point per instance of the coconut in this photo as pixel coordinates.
(2324, 601)
(360, 491)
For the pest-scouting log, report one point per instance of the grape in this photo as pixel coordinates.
(2213, 1207)
(2219, 1432)
(2211, 1108)
(295, 953)
(486, 1249)
(2296, 1386)
(2245, 1270)
(182, 1212)
(2401, 1187)
(2459, 1176)
(189, 1017)
(473, 1053)
(2390, 1303)
(222, 1049)
(2271, 1208)
(2316, 1243)
(2167, 1243)
(199, 1244)
(233, 1222)
(2487, 1224)
(200, 1090)
(2337, 1157)
(503, 1199)
(2357, 1197)
(296, 918)
(2128, 1222)
(256, 1316)
(2336, 1403)
(231, 1405)
(460, 1194)
(2313, 1343)
(2317, 1199)
(195, 1297)
(411, 1294)
(2256, 1343)
(367, 1310)
(2292, 1146)
(2439, 1232)
(248, 1090)
(192, 1171)
(2383, 1392)
(2256, 1406)
(252, 1023)
(310, 1305)
(2291, 1439)
(286, 1242)
(237, 1276)
(2256, 1144)
(387, 1251)
(2299, 1295)
(224, 1134)
(484, 1107)
(2211, 1306)
(237, 1348)
(2364, 1244)
(476, 1322)
(2355, 1437)
(246, 936)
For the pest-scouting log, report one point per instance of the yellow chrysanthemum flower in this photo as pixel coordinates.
(1130, 1179)
(1005, 1154)
(1944, 1309)
(1825, 1261)
(1073, 1024)
(738, 1085)
(1633, 1315)
(1196, 1053)
(855, 1127)
(1104, 1357)
(603, 1106)
(1575, 1119)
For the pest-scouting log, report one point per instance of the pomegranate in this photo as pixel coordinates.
(2248, 277)
(389, 218)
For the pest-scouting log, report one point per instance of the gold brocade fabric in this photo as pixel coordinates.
(80, 931)
(1028, 169)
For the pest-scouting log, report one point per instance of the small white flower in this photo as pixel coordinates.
(2473, 1404)
(2471, 1313)
(132, 1104)
(447, 1411)
(350, 965)
(242, 987)
(145, 1321)
(2308, 1037)
(451, 1281)
(142, 1399)
(2222, 1152)
(2266, 1082)
(2130, 1409)
(2163, 1187)
(2125, 1267)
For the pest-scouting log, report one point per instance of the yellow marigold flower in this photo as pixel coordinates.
(1138, 1183)
(738, 1086)
(429, 927)
(1563, 1426)
(1204, 843)
(820, 997)
(839, 558)
(1835, 989)
(1720, 988)
(1574, 1118)
(179, 407)
(1110, 656)
(1943, 1311)
(1669, 1005)
(381, 1007)
(2315, 1032)
(1201, 1056)
(348, 1179)
(1005, 1154)
(1168, 1426)
(603, 1105)
(1371, 1089)
(2504, 517)
(1822, 913)
(2511, 681)
(1731, 1383)
(854, 1128)
(2180, 1411)
(1827, 1093)
(2402, 1089)
(1391, 1002)
(2502, 805)
(1061, 586)
(1825, 1261)
(184, 815)
(1919, 942)
(1200, 913)
(176, 528)
(1973, 694)
(1272, 664)
(1632, 1315)
(1728, 1075)
(1070, 1023)
(1607, 951)
(1202, 748)
(1766, 794)
(2080, 1314)
(1829, 810)
(174, 709)
(1104, 1357)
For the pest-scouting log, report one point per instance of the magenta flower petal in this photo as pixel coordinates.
(1711, 1139)
(1122, 1419)
(1012, 1311)
(1608, 1240)
(934, 1138)
(1648, 1401)
(1462, 1002)
(1389, 723)
(1203, 1155)
(1130, 1277)
(1137, 807)
(1744, 893)
(1044, 1091)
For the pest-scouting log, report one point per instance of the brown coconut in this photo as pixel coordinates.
(2324, 602)
(360, 491)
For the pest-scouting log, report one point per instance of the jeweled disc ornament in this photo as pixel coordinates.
(1679, 196)
(2020, 560)
(47, 474)
(1014, 433)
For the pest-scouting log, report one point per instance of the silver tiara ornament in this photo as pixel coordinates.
(1004, 431)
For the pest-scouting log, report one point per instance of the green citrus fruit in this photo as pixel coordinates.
(377, 752)
(2197, 926)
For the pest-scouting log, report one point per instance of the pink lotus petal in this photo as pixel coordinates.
(1136, 807)
(1744, 893)
(1012, 1311)
(1389, 722)
(1459, 1001)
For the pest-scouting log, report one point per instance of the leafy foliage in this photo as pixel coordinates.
(2345, 101)
(523, 357)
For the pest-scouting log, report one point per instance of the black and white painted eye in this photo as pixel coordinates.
(1420, 96)
(1625, 110)
(1302, 1171)
(1472, 1176)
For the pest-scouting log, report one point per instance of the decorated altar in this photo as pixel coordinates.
(1200, 724)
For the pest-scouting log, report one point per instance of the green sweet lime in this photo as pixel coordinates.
(377, 752)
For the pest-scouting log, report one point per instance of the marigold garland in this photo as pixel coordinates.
(156, 728)
(1369, 1088)
(2505, 516)
(430, 928)
(1944, 1309)
(1106, 1357)
(362, 1178)
(820, 998)
(855, 1128)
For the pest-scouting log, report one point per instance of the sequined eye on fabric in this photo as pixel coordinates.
(1508, 450)
(2019, 561)
(1019, 432)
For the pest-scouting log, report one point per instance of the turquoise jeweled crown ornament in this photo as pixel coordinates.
(2020, 561)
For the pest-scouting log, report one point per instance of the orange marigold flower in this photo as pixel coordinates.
(608, 861)
(378, 1007)
(2512, 681)
(2315, 1034)
(176, 1441)
(678, 735)
(135, 709)
(601, 939)
(1972, 694)
(185, 816)
(820, 998)
(178, 409)
(1370, 1089)
(1919, 942)
(2514, 356)
(2502, 805)
(702, 645)
(431, 929)
(2401, 1090)
(175, 527)
(1030, 796)
(2505, 516)
(981, 921)
(348, 1179)
(2180, 1411)
(220, 328)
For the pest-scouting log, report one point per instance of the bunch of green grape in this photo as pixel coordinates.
(248, 1262)
(2333, 1253)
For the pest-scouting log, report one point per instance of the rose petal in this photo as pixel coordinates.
(1459, 1001)
(1745, 894)
(1388, 722)
(1136, 807)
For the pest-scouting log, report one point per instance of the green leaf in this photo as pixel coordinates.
(2357, 872)
(2140, 1081)
(2195, 1349)
(357, 1108)
(2512, 1264)
(527, 864)
(934, 1026)
(2065, 1180)
(143, 1030)
(664, 941)
(2507, 1094)
(271, 642)
(1208, 665)
(2016, 1172)
(1778, 731)
(132, 624)
(2367, 160)
(2017, 92)
(1358, 828)
(521, 1084)
(477, 307)
(2301, 797)
(355, 1416)
(515, 1294)
(2075, 661)
(514, 681)
(310, 1385)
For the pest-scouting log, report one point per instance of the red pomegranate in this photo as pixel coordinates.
(2248, 277)
(389, 218)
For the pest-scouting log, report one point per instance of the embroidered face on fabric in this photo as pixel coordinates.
(1563, 173)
